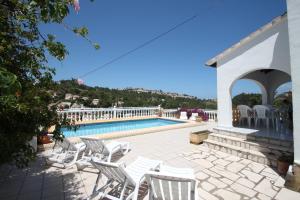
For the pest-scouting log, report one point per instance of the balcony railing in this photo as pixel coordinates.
(93, 114)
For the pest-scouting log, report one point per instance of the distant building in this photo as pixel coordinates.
(85, 98)
(68, 96)
(63, 105)
(75, 97)
(75, 105)
(95, 102)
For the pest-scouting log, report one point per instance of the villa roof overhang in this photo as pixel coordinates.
(213, 62)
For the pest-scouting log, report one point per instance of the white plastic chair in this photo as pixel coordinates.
(261, 114)
(100, 149)
(183, 115)
(131, 176)
(244, 114)
(193, 116)
(65, 153)
(172, 183)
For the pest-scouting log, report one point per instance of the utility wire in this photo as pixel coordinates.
(139, 46)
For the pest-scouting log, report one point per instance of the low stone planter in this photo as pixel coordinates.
(198, 137)
(198, 119)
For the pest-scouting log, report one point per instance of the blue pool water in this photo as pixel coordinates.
(107, 127)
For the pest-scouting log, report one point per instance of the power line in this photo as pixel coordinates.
(139, 46)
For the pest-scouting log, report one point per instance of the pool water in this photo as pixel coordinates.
(107, 127)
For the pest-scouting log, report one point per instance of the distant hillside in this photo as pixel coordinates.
(71, 91)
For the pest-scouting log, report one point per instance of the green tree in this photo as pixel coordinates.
(25, 77)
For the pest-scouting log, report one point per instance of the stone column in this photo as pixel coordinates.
(293, 11)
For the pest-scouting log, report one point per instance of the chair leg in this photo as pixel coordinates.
(123, 190)
(249, 122)
(134, 194)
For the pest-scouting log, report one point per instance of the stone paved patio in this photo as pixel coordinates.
(220, 175)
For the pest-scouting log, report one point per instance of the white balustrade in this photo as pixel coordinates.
(212, 115)
(88, 114)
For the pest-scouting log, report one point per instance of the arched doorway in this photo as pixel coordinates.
(269, 84)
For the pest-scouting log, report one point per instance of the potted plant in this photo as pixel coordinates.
(198, 119)
(283, 163)
(43, 138)
(199, 136)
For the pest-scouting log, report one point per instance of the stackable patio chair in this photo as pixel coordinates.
(245, 113)
(172, 183)
(65, 153)
(123, 177)
(193, 116)
(183, 115)
(100, 149)
(262, 113)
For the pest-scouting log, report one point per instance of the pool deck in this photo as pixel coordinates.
(220, 175)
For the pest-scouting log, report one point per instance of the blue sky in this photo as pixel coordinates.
(172, 63)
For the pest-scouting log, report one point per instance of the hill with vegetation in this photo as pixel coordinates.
(80, 94)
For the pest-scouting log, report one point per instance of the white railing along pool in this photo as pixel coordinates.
(91, 114)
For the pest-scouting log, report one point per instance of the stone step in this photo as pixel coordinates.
(256, 156)
(249, 135)
(264, 147)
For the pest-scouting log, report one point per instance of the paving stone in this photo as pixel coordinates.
(286, 194)
(226, 180)
(233, 158)
(201, 176)
(227, 195)
(207, 186)
(245, 161)
(243, 190)
(204, 163)
(266, 188)
(206, 195)
(225, 173)
(210, 173)
(220, 154)
(211, 158)
(221, 162)
(263, 197)
(246, 182)
(279, 182)
(198, 156)
(235, 167)
(217, 183)
(272, 177)
(256, 167)
(270, 170)
(252, 176)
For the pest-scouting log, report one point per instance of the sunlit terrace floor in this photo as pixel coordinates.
(280, 133)
(220, 175)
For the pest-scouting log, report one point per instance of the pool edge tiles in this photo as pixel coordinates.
(131, 132)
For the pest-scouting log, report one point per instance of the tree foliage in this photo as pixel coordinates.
(107, 97)
(25, 77)
(246, 99)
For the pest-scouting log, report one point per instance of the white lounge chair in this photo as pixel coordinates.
(172, 183)
(193, 116)
(100, 149)
(131, 176)
(183, 115)
(244, 114)
(65, 153)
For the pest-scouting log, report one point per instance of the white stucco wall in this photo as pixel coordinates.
(269, 50)
(293, 7)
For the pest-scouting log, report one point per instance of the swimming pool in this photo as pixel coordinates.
(107, 127)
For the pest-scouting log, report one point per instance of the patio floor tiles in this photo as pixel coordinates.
(266, 187)
(235, 167)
